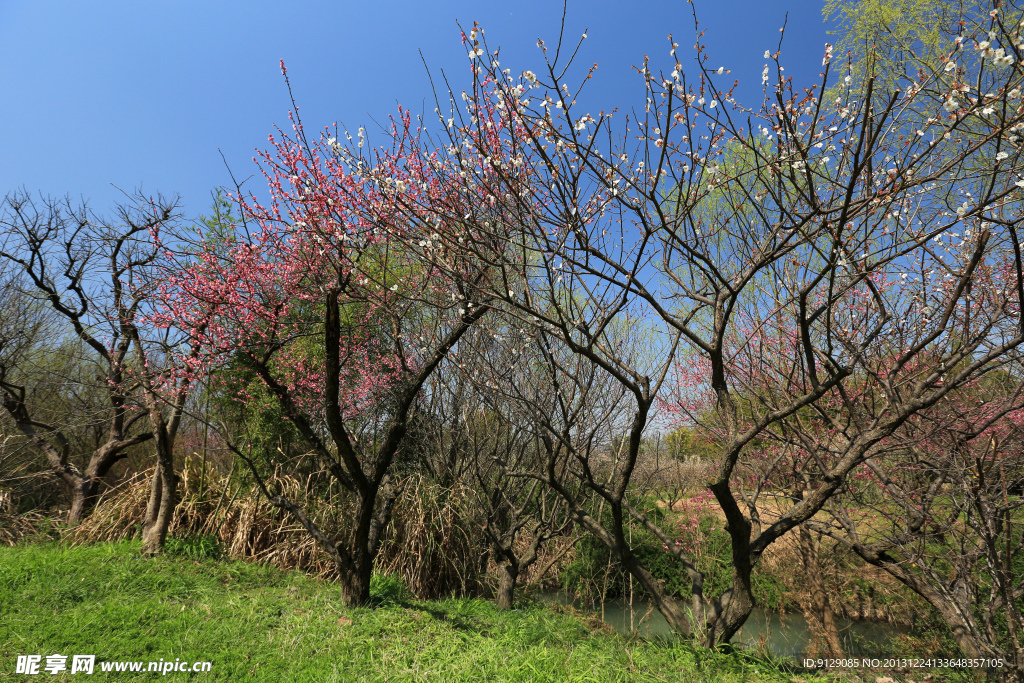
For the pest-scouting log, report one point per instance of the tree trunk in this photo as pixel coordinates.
(664, 602)
(735, 605)
(507, 586)
(966, 632)
(83, 497)
(355, 577)
(355, 583)
(731, 610)
(817, 609)
(153, 506)
(78, 496)
(160, 510)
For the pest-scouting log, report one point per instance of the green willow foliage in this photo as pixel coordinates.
(890, 39)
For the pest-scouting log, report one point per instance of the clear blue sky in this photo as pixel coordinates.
(145, 93)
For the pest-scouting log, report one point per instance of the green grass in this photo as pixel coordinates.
(256, 623)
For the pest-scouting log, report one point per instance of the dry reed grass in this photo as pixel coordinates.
(434, 542)
(431, 542)
(13, 527)
(245, 525)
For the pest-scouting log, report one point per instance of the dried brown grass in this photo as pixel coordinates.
(673, 479)
(14, 528)
(430, 542)
(857, 591)
(245, 525)
(434, 542)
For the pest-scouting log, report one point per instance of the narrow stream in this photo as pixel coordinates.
(785, 635)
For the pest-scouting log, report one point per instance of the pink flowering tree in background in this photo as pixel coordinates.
(935, 506)
(929, 502)
(342, 298)
(167, 353)
(820, 264)
(936, 510)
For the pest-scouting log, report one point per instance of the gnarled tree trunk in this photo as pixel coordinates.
(83, 486)
(508, 576)
(160, 509)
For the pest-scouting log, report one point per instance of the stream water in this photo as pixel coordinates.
(786, 635)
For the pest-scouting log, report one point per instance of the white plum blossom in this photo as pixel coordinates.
(1002, 59)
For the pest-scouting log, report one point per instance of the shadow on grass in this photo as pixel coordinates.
(389, 591)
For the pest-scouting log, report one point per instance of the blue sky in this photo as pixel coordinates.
(149, 94)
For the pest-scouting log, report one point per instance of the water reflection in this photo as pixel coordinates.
(785, 635)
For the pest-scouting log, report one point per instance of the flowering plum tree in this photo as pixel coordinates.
(934, 509)
(781, 250)
(343, 299)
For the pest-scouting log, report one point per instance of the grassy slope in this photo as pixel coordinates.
(261, 624)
